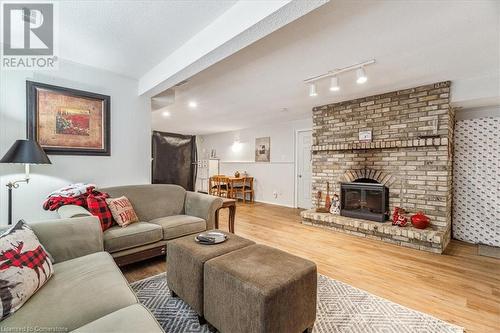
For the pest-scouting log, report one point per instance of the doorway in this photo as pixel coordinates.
(303, 168)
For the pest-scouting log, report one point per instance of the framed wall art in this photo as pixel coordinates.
(67, 121)
(263, 149)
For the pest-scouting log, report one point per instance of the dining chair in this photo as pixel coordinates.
(244, 187)
(220, 186)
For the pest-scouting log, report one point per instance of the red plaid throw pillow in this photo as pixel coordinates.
(97, 206)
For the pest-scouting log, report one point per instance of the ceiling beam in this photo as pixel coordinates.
(241, 25)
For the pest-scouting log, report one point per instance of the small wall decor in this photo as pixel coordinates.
(67, 121)
(365, 136)
(263, 149)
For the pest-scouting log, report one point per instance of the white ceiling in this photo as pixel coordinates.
(413, 42)
(130, 37)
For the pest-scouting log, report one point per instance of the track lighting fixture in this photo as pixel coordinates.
(312, 90)
(334, 80)
(361, 76)
(334, 84)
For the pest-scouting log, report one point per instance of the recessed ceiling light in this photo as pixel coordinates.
(165, 114)
(192, 104)
(361, 76)
(312, 90)
(334, 84)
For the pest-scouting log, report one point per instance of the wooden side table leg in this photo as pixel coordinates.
(217, 218)
(232, 215)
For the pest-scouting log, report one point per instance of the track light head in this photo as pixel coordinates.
(312, 90)
(361, 76)
(334, 84)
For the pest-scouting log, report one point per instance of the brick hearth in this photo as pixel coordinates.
(430, 239)
(410, 153)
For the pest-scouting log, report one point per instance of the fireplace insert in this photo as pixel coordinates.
(364, 199)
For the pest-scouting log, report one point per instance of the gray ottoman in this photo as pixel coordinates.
(260, 289)
(185, 261)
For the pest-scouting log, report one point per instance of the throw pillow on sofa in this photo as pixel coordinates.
(122, 210)
(25, 266)
(97, 206)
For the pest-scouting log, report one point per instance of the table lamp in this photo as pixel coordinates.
(26, 152)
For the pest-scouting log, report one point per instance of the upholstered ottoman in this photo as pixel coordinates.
(260, 289)
(185, 261)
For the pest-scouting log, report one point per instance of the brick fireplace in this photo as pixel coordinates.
(410, 154)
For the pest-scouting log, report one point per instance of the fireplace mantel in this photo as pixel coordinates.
(383, 144)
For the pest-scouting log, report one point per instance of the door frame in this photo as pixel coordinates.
(296, 166)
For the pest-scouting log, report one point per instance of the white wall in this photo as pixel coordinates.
(481, 112)
(129, 162)
(277, 176)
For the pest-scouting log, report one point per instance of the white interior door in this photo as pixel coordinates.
(304, 159)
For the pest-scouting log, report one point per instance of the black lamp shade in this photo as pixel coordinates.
(27, 152)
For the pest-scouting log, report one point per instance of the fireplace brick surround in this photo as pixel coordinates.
(410, 153)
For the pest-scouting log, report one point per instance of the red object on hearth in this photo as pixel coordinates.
(420, 221)
(399, 217)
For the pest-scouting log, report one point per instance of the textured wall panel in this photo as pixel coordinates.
(476, 181)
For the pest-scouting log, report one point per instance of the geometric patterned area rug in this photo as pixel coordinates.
(341, 308)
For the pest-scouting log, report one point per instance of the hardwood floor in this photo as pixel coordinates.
(459, 286)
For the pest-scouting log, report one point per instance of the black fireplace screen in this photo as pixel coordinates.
(364, 199)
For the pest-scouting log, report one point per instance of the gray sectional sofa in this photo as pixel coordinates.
(165, 212)
(87, 293)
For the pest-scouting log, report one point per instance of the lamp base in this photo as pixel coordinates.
(9, 221)
(10, 186)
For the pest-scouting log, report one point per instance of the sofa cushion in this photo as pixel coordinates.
(152, 201)
(117, 238)
(80, 291)
(180, 225)
(132, 319)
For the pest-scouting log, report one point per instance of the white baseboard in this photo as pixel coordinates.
(274, 203)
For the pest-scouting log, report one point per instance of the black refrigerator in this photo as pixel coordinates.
(174, 159)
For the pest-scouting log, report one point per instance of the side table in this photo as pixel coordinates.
(230, 204)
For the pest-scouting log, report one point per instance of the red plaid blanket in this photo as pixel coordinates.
(54, 202)
(97, 205)
(94, 201)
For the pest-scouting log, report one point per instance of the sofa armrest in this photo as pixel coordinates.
(71, 238)
(70, 211)
(203, 206)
